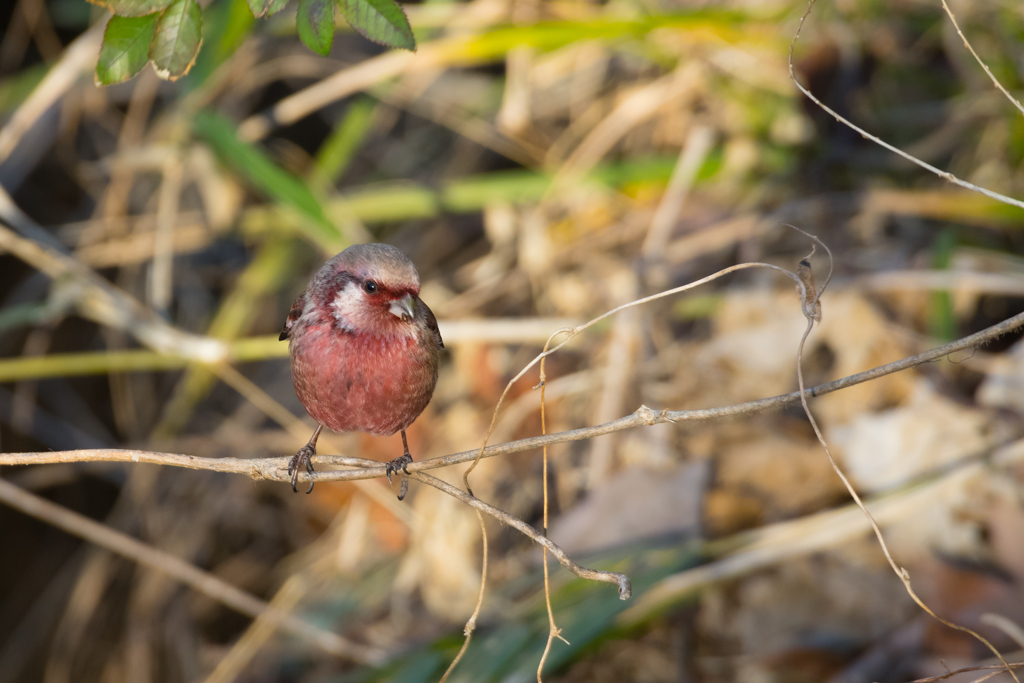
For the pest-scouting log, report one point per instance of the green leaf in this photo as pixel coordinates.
(268, 7)
(315, 22)
(125, 48)
(382, 21)
(179, 33)
(269, 178)
(132, 8)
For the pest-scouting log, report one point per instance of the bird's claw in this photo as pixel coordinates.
(303, 458)
(400, 464)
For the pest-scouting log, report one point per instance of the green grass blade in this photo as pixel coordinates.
(337, 151)
(270, 179)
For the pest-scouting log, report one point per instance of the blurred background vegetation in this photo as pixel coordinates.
(540, 162)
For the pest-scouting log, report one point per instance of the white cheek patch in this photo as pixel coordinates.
(348, 306)
(354, 313)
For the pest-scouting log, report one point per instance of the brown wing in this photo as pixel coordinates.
(431, 322)
(293, 317)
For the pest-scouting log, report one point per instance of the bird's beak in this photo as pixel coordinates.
(403, 308)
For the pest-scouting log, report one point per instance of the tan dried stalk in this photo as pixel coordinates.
(553, 630)
(811, 306)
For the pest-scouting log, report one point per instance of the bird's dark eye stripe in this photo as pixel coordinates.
(370, 286)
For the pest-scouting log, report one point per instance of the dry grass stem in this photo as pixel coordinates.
(1007, 626)
(180, 570)
(79, 58)
(699, 143)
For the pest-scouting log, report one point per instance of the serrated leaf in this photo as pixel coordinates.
(252, 163)
(132, 8)
(125, 48)
(382, 21)
(315, 22)
(179, 34)
(268, 7)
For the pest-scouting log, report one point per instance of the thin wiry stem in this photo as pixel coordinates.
(553, 630)
(999, 669)
(983, 65)
(471, 622)
(878, 141)
(813, 313)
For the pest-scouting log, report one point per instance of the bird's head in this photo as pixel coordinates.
(370, 288)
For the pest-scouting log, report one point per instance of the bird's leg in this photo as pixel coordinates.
(401, 464)
(304, 458)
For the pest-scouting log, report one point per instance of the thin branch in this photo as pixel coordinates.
(620, 580)
(275, 468)
(1000, 667)
(923, 164)
(180, 570)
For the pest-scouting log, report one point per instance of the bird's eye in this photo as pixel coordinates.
(370, 286)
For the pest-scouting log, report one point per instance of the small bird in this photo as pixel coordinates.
(364, 349)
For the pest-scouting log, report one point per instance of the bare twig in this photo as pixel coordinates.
(275, 468)
(180, 570)
(620, 580)
(1000, 669)
(983, 65)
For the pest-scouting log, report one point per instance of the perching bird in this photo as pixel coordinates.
(364, 349)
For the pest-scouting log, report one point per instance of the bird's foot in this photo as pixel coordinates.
(397, 466)
(302, 459)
